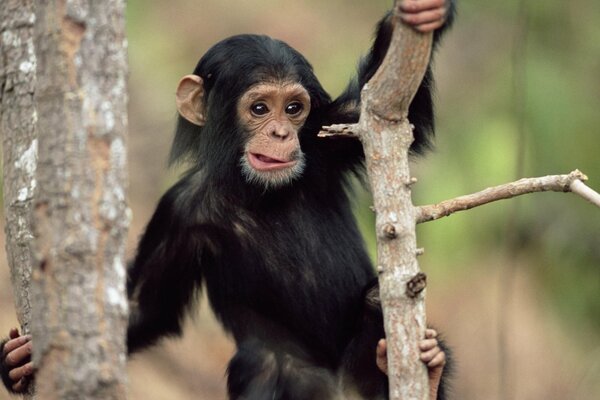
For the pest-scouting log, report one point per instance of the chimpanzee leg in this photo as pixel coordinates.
(359, 374)
(260, 372)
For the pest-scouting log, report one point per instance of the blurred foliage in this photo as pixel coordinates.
(476, 125)
(560, 234)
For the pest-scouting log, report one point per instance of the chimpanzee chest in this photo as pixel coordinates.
(306, 270)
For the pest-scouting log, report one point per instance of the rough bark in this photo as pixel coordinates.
(81, 217)
(19, 144)
(386, 135)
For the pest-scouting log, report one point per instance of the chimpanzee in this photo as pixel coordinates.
(262, 219)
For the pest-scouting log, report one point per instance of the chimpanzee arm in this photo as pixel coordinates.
(346, 108)
(165, 275)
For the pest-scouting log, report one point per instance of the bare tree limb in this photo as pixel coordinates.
(19, 145)
(580, 188)
(19, 149)
(386, 135)
(572, 182)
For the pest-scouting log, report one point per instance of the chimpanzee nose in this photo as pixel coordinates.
(280, 132)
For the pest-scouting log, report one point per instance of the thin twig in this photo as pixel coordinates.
(572, 182)
(580, 188)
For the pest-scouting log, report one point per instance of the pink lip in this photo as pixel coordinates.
(261, 162)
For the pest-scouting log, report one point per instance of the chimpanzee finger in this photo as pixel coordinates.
(16, 374)
(430, 355)
(13, 333)
(429, 27)
(425, 17)
(381, 359)
(381, 348)
(438, 361)
(428, 344)
(19, 356)
(430, 333)
(21, 386)
(415, 6)
(15, 343)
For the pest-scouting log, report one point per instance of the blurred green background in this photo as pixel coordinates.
(514, 286)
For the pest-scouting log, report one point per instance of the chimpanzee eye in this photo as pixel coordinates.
(294, 108)
(259, 109)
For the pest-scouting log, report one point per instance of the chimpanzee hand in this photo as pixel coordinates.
(424, 15)
(431, 354)
(16, 365)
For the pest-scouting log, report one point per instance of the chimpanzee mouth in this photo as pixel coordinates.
(272, 172)
(261, 162)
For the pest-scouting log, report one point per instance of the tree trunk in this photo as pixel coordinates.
(17, 123)
(81, 217)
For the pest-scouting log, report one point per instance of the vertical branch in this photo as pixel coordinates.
(386, 135)
(19, 144)
(81, 217)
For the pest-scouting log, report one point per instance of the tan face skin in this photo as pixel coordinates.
(273, 114)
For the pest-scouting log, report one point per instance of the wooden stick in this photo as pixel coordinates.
(572, 182)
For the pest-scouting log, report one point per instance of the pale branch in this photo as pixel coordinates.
(572, 182)
(344, 130)
(19, 145)
(580, 188)
(386, 136)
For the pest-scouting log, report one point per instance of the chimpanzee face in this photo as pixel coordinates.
(272, 114)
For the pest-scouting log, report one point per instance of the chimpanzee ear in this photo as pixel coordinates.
(190, 99)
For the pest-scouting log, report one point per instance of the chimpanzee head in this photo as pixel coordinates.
(244, 108)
